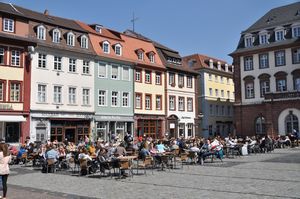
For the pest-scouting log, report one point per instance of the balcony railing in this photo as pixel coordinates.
(282, 95)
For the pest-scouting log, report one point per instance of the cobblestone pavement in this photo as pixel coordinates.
(273, 175)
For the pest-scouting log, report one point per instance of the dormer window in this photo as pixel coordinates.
(279, 34)
(263, 37)
(98, 28)
(84, 42)
(41, 32)
(151, 57)
(56, 36)
(70, 39)
(296, 30)
(106, 47)
(248, 40)
(118, 49)
(140, 54)
(8, 25)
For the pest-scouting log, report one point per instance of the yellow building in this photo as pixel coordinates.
(215, 94)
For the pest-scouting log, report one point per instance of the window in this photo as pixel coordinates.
(148, 77)
(57, 95)
(217, 110)
(263, 39)
(260, 126)
(172, 79)
(72, 65)
(189, 82)
(210, 129)
(138, 100)
(86, 96)
(180, 81)
(56, 36)
(41, 93)
(102, 70)
(281, 85)
(222, 110)
(42, 60)
(280, 58)
(114, 72)
(158, 78)
(106, 47)
(70, 39)
(8, 25)
(151, 57)
(279, 35)
(189, 104)
(217, 92)
(15, 92)
(172, 103)
(211, 109)
(297, 83)
(249, 90)
(248, 41)
(148, 102)
(101, 98)
(263, 61)
(125, 75)
(2, 91)
(296, 56)
(190, 129)
(118, 49)
(72, 95)
(222, 93)
(84, 42)
(210, 77)
(210, 92)
(85, 67)
(15, 57)
(248, 63)
(181, 129)
(57, 63)
(291, 123)
(41, 33)
(181, 103)
(140, 55)
(125, 99)
(114, 98)
(158, 102)
(138, 75)
(228, 81)
(216, 78)
(296, 31)
(222, 79)
(228, 110)
(228, 94)
(2, 55)
(264, 87)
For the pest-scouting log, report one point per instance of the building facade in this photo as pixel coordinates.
(113, 78)
(14, 75)
(215, 94)
(267, 74)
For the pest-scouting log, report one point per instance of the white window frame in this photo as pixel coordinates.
(140, 55)
(148, 75)
(118, 49)
(210, 92)
(2, 55)
(2, 85)
(151, 57)
(104, 65)
(42, 60)
(279, 60)
(264, 87)
(8, 25)
(15, 92)
(158, 78)
(72, 95)
(249, 90)
(296, 31)
(42, 93)
(180, 80)
(70, 39)
(248, 40)
(15, 57)
(189, 104)
(248, 63)
(158, 102)
(148, 101)
(217, 92)
(138, 101)
(189, 81)
(41, 32)
(86, 67)
(57, 63)
(172, 101)
(106, 47)
(124, 68)
(56, 35)
(222, 93)
(72, 65)
(102, 97)
(86, 96)
(263, 37)
(125, 99)
(84, 42)
(114, 103)
(57, 94)
(181, 103)
(279, 34)
(263, 60)
(114, 76)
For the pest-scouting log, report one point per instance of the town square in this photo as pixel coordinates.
(168, 100)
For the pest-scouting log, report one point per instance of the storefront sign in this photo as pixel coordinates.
(172, 126)
(6, 107)
(185, 117)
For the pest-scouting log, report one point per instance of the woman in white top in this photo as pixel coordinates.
(5, 158)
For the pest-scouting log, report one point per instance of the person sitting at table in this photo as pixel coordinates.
(92, 149)
(61, 152)
(161, 147)
(20, 153)
(52, 153)
(120, 150)
(84, 160)
(205, 151)
(144, 152)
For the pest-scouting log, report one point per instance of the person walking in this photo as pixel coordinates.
(5, 158)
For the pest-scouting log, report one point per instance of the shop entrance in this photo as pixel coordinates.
(70, 134)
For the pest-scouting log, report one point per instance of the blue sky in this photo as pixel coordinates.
(210, 27)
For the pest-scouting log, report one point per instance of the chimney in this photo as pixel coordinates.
(211, 63)
(46, 12)
(226, 67)
(219, 65)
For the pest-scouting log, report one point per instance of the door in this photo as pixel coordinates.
(70, 134)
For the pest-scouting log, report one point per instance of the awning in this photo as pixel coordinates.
(12, 118)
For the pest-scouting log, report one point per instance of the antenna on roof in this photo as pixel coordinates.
(133, 20)
(15, 8)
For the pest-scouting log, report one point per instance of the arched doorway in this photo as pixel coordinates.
(291, 123)
(172, 126)
(288, 120)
